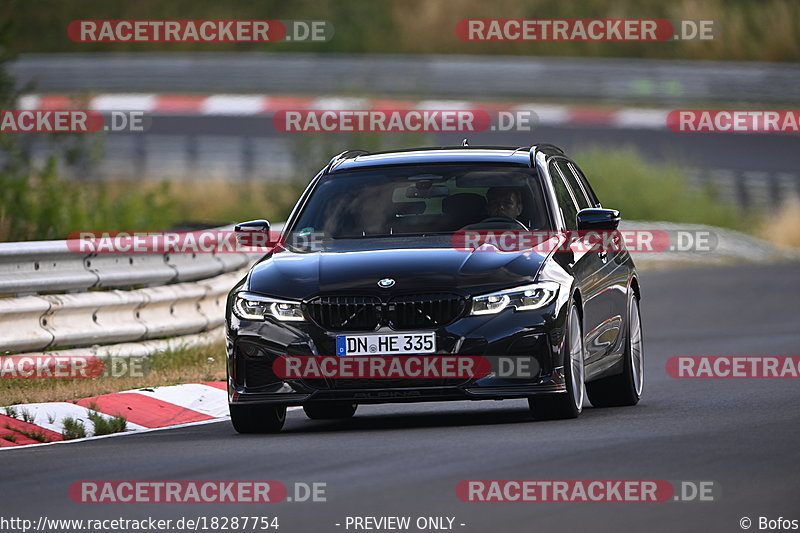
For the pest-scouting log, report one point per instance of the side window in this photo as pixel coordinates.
(565, 202)
(586, 187)
(572, 182)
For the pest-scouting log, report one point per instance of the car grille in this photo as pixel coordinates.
(344, 312)
(420, 311)
(364, 313)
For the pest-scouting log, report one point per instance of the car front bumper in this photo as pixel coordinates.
(533, 338)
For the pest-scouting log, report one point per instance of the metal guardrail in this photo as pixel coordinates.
(50, 266)
(107, 317)
(726, 246)
(60, 298)
(595, 79)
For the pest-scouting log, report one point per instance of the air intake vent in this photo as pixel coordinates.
(347, 313)
(424, 310)
(365, 313)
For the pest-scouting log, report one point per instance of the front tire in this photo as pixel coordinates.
(257, 418)
(625, 388)
(569, 405)
(329, 411)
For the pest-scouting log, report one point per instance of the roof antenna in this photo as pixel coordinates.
(464, 142)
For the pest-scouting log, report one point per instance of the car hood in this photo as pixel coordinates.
(304, 275)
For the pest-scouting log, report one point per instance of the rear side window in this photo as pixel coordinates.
(572, 182)
(569, 210)
(586, 187)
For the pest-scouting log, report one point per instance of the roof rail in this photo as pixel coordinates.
(545, 146)
(539, 147)
(343, 155)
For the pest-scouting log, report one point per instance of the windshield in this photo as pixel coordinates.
(386, 202)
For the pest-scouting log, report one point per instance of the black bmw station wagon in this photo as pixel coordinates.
(393, 272)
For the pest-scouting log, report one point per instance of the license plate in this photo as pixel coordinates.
(386, 344)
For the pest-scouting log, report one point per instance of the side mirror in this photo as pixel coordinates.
(254, 233)
(594, 219)
(252, 226)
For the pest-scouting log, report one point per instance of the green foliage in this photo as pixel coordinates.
(73, 429)
(198, 357)
(41, 205)
(36, 434)
(106, 426)
(766, 30)
(641, 190)
(27, 416)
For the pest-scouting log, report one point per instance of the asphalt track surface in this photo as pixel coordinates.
(405, 460)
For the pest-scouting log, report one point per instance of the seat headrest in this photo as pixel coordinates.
(465, 203)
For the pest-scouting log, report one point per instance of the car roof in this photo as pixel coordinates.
(445, 154)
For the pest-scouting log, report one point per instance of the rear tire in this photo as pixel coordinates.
(257, 418)
(625, 388)
(329, 411)
(569, 405)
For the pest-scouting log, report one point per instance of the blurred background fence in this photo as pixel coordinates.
(756, 171)
(645, 81)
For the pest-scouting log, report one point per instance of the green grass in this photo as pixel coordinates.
(623, 179)
(38, 204)
(33, 434)
(73, 429)
(106, 426)
(188, 365)
(26, 416)
(41, 205)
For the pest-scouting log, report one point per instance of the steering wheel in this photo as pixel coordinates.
(502, 223)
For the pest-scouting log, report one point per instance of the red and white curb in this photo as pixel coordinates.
(257, 104)
(143, 409)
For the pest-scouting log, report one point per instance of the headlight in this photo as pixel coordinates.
(256, 307)
(525, 298)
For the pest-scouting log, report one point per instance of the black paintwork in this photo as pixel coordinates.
(600, 284)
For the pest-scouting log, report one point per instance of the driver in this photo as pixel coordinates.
(503, 202)
(503, 206)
